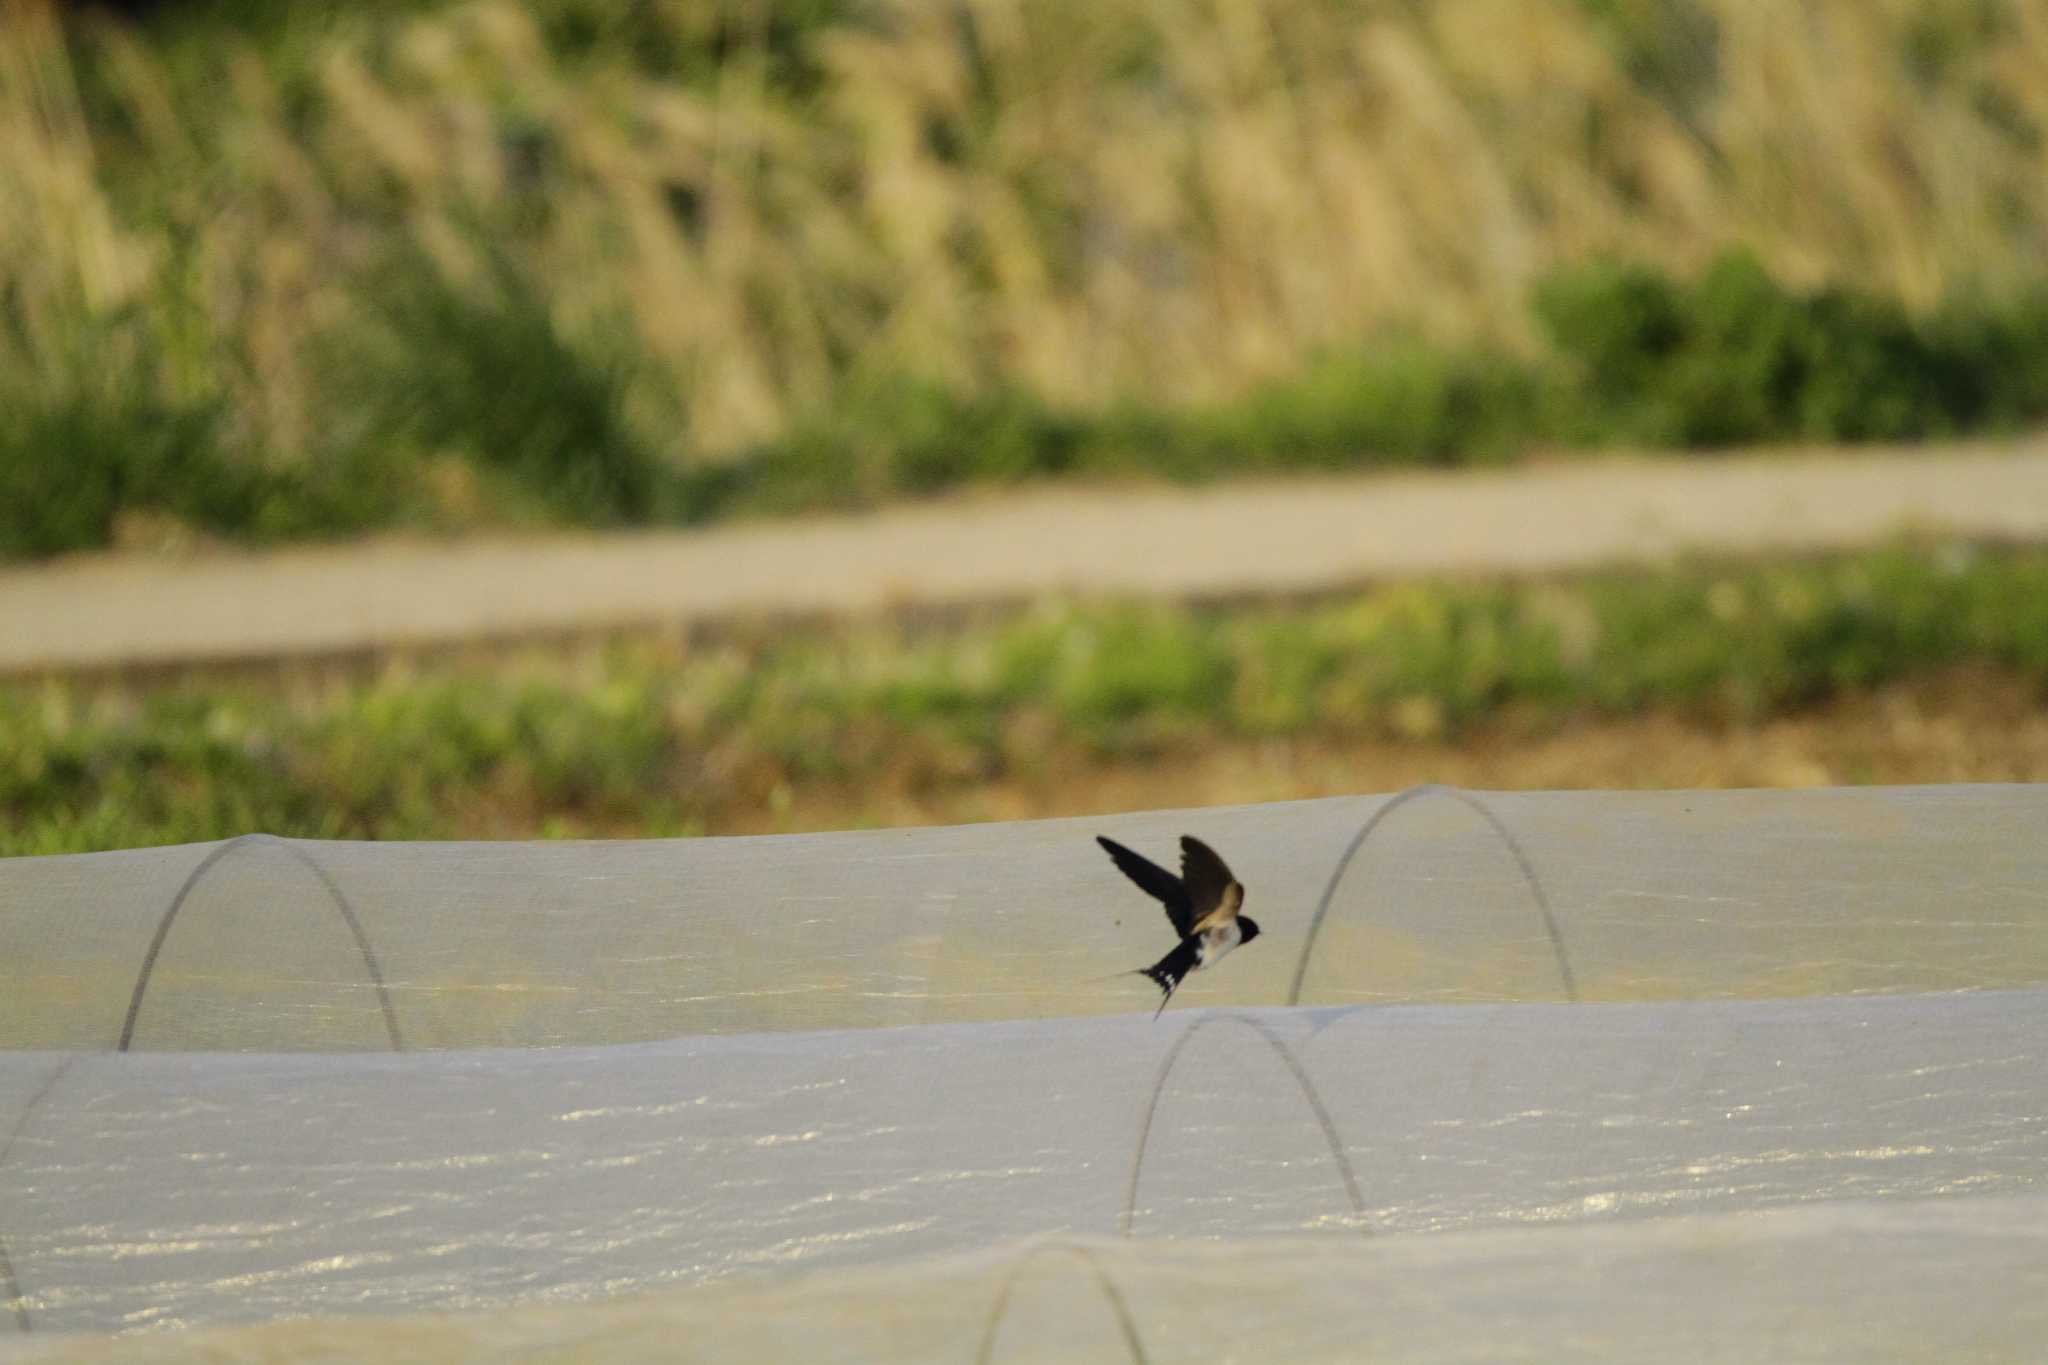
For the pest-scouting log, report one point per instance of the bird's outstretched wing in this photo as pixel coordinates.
(1214, 895)
(1156, 882)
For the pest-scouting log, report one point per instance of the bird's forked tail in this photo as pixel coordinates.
(1169, 971)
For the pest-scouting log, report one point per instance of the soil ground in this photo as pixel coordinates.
(1965, 726)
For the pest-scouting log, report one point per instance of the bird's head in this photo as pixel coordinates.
(1247, 928)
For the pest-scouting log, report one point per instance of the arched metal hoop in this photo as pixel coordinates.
(1507, 838)
(334, 894)
(10, 1283)
(1001, 1307)
(1294, 1069)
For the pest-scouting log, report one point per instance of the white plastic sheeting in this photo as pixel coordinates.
(1629, 1019)
(273, 945)
(188, 1189)
(1949, 1280)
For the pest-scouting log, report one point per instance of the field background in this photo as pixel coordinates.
(287, 270)
(276, 272)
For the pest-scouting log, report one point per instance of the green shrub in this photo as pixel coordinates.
(1732, 356)
(99, 437)
(485, 370)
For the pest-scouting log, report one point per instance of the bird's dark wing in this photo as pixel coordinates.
(1214, 895)
(1155, 881)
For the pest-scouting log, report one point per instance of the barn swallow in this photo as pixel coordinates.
(1202, 904)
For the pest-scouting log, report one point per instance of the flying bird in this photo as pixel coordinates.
(1202, 904)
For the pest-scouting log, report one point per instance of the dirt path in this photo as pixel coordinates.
(1298, 535)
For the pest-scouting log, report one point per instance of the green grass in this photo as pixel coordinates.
(486, 377)
(1631, 357)
(487, 373)
(649, 741)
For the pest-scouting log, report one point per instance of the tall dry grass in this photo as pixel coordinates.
(65, 256)
(1084, 198)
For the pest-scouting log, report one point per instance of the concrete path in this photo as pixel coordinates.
(103, 612)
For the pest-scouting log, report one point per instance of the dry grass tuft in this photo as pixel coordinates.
(1085, 201)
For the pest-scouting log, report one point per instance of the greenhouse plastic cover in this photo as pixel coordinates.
(1602, 1075)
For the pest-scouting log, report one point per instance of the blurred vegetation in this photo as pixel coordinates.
(646, 739)
(282, 270)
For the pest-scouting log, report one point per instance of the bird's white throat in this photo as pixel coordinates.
(1215, 942)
